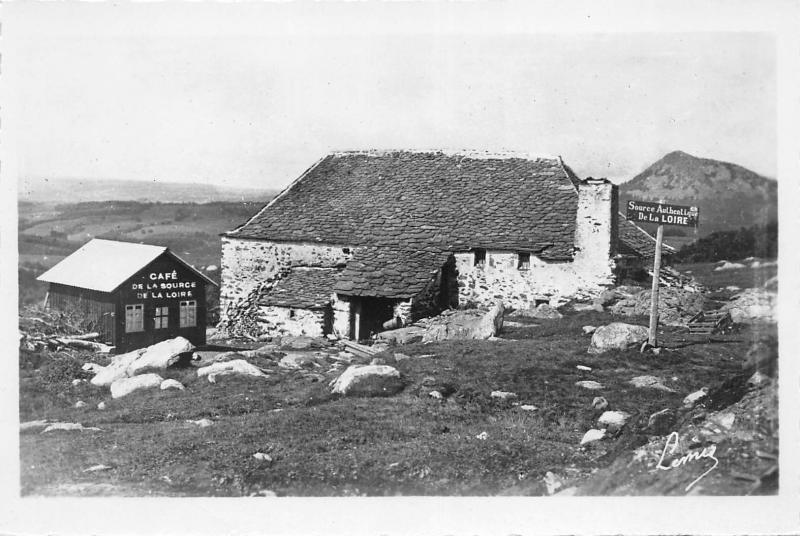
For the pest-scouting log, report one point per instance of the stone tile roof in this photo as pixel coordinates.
(633, 240)
(390, 273)
(303, 288)
(456, 201)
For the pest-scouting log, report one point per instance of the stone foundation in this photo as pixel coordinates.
(279, 321)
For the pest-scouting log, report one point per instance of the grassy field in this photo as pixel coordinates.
(410, 444)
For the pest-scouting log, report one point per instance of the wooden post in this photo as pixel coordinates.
(654, 298)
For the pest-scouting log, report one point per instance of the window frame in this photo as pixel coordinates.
(479, 257)
(161, 317)
(184, 308)
(132, 319)
(526, 265)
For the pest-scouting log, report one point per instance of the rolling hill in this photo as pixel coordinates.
(729, 196)
(64, 191)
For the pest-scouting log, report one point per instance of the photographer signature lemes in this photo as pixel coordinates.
(691, 457)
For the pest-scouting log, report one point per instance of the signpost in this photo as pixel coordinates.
(661, 214)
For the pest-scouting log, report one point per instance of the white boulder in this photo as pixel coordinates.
(156, 357)
(617, 336)
(614, 418)
(171, 384)
(237, 366)
(693, 398)
(503, 395)
(650, 382)
(69, 427)
(589, 384)
(593, 435)
(466, 324)
(160, 356)
(125, 386)
(368, 380)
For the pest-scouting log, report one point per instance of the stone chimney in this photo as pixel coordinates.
(596, 225)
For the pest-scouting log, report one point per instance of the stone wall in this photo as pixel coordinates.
(248, 263)
(278, 321)
(590, 271)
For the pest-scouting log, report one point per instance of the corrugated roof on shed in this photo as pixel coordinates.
(103, 265)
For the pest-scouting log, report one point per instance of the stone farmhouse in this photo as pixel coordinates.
(369, 239)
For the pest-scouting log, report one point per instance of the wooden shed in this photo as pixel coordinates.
(134, 295)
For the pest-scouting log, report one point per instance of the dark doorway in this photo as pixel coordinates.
(367, 316)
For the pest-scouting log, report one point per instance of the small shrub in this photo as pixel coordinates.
(61, 368)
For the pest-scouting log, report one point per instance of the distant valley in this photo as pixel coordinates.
(86, 190)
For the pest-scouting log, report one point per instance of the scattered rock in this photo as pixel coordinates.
(503, 395)
(125, 386)
(101, 406)
(661, 422)
(264, 493)
(692, 399)
(368, 380)
(466, 324)
(96, 468)
(752, 306)
(202, 423)
(583, 368)
(80, 404)
(237, 366)
(588, 330)
(617, 336)
(302, 342)
(614, 418)
(758, 379)
(262, 457)
(32, 426)
(552, 482)
(599, 403)
(377, 361)
(94, 368)
(543, 310)
(589, 384)
(675, 305)
(729, 266)
(592, 436)
(724, 420)
(156, 357)
(407, 335)
(528, 407)
(172, 384)
(650, 382)
(296, 361)
(435, 394)
(69, 427)
(77, 382)
(606, 298)
(160, 356)
(401, 357)
(483, 436)
(379, 346)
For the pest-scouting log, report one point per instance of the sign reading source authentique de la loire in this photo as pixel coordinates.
(662, 214)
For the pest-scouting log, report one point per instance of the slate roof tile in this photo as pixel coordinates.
(636, 241)
(456, 201)
(303, 288)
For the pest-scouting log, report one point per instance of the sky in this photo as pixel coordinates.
(251, 95)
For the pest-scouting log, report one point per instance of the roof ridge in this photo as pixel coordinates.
(477, 154)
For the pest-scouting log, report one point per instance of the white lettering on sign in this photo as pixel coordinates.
(164, 285)
(159, 276)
